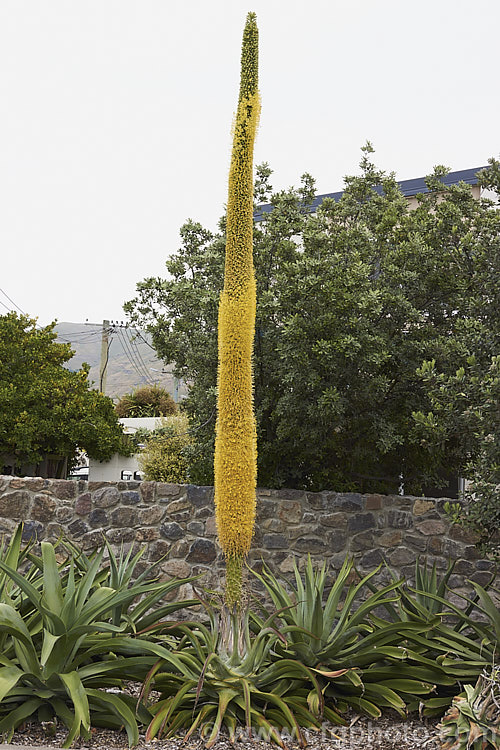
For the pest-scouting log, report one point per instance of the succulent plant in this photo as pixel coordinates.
(473, 720)
(211, 682)
(68, 635)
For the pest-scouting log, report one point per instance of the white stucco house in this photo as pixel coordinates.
(124, 468)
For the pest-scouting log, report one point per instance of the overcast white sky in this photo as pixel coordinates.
(116, 118)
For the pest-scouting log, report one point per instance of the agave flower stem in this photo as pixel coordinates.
(235, 443)
(234, 579)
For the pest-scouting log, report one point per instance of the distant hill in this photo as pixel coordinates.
(132, 361)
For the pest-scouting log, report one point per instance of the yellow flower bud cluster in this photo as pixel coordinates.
(236, 451)
(235, 444)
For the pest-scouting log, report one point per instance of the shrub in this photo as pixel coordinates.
(148, 401)
(232, 678)
(334, 629)
(480, 512)
(73, 629)
(457, 642)
(473, 721)
(70, 636)
(164, 458)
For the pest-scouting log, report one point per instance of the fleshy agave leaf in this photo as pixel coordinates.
(9, 677)
(19, 714)
(117, 705)
(11, 622)
(52, 588)
(225, 697)
(78, 696)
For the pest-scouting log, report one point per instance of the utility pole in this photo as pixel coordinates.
(104, 356)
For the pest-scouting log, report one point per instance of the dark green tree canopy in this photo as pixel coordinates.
(467, 403)
(44, 407)
(352, 301)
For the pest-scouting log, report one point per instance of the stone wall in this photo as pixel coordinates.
(176, 522)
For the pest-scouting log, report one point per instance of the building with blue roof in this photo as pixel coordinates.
(409, 188)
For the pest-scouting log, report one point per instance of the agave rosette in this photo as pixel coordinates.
(339, 630)
(64, 652)
(231, 678)
(473, 720)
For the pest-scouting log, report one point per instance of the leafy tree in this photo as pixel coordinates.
(351, 301)
(44, 407)
(466, 411)
(148, 401)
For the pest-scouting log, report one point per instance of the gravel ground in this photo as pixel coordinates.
(388, 733)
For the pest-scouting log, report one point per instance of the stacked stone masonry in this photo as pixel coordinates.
(176, 524)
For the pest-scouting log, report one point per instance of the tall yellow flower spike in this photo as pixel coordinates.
(235, 440)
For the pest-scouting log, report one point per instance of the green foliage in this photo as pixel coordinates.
(426, 599)
(324, 629)
(465, 410)
(120, 575)
(413, 659)
(473, 721)
(13, 556)
(320, 651)
(459, 642)
(230, 678)
(429, 585)
(147, 401)
(336, 629)
(46, 408)
(351, 301)
(164, 457)
(74, 626)
(480, 511)
(68, 637)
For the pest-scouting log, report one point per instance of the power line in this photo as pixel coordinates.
(146, 342)
(78, 341)
(85, 333)
(40, 328)
(137, 359)
(138, 333)
(133, 343)
(128, 353)
(12, 301)
(128, 343)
